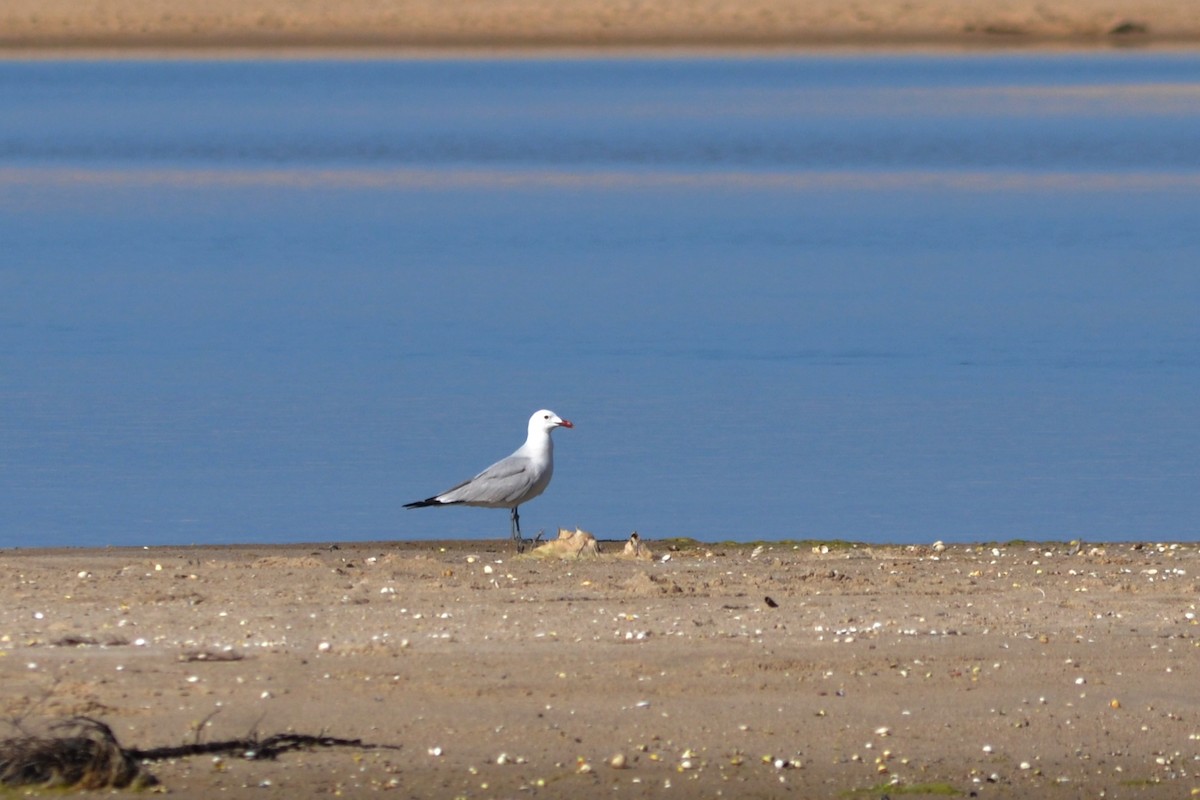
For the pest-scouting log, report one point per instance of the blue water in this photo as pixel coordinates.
(892, 299)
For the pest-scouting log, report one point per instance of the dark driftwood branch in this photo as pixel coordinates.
(254, 748)
(90, 757)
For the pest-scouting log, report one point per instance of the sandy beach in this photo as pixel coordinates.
(391, 24)
(1010, 670)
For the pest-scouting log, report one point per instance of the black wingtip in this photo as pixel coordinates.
(431, 501)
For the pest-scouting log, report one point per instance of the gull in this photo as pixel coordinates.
(510, 481)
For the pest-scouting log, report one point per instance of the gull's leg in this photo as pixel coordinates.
(516, 530)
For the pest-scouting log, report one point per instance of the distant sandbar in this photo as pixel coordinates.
(125, 25)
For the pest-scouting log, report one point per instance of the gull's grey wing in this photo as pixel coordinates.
(503, 484)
